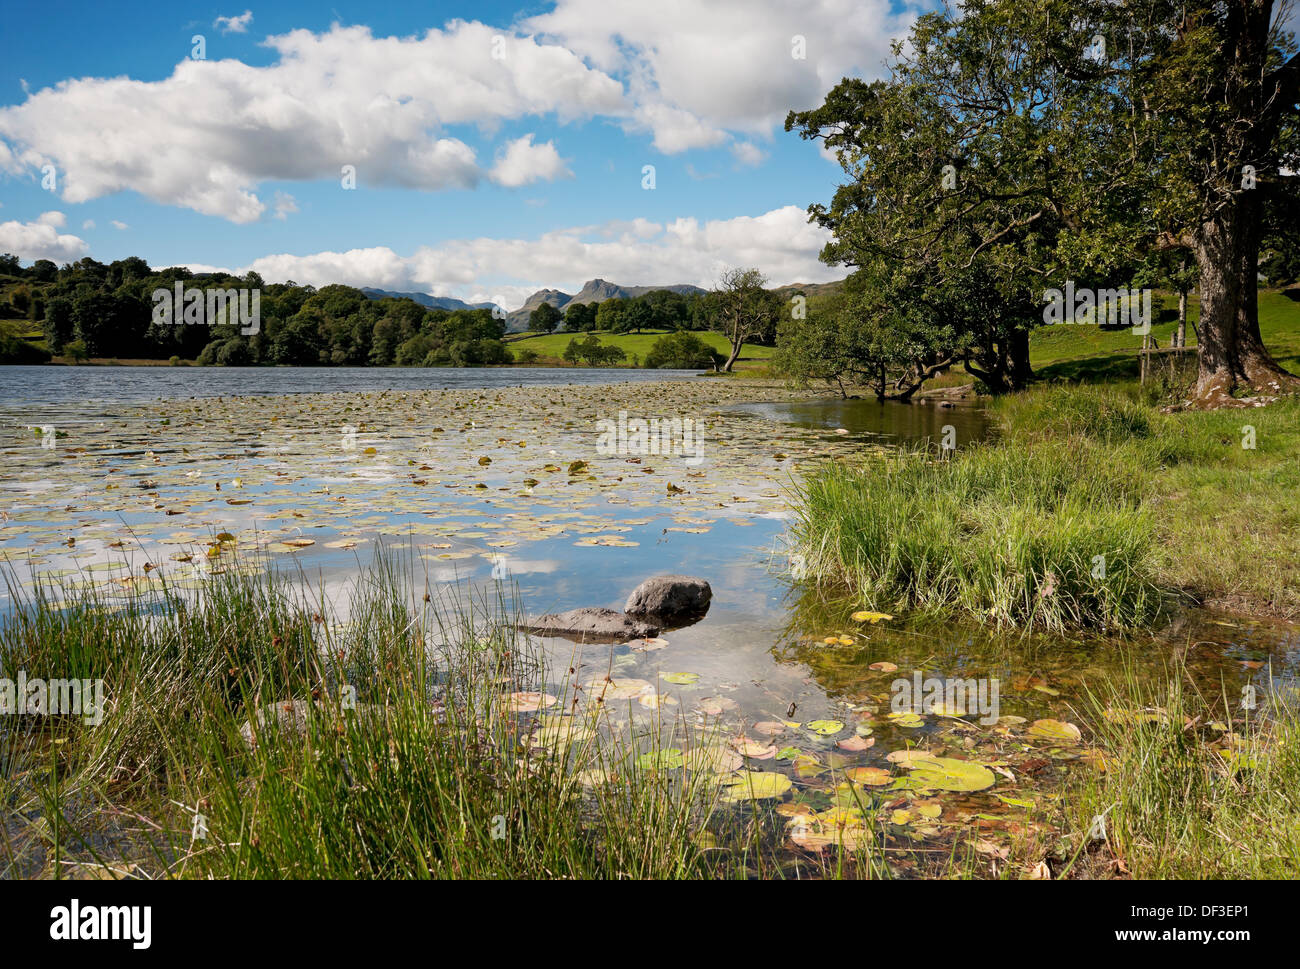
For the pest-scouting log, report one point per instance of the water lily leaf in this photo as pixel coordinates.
(947, 774)
(527, 702)
(909, 720)
(825, 728)
(667, 759)
(753, 748)
(756, 784)
(680, 678)
(869, 776)
(871, 617)
(1055, 730)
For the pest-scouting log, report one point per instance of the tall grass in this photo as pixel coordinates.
(1091, 508)
(399, 759)
(1030, 530)
(1194, 786)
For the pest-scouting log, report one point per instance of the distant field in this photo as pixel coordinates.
(1078, 351)
(638, 344)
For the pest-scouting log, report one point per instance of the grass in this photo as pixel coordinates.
(1011, 531)
(424, 776)
(1085, 352)
(1194, 786)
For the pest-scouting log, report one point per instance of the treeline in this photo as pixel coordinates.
(90, 309)
(660, 309)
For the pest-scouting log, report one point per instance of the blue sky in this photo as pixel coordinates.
(498, 148)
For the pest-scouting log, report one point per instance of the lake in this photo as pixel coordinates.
(494, 481)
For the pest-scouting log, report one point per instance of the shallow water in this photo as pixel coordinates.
(53, 385)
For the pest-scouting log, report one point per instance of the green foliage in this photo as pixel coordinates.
(592, 352)
(545, 319)
(680, 351)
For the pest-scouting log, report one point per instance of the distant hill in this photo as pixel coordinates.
(424, 299)
(593, 291)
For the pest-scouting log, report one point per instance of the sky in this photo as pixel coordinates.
(497, 149)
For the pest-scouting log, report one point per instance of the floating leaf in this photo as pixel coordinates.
(527, 702)
(825, 727)
(680, 678)
(870, 776)
(1055, 730)
(871, 617)
(947, 774)
(756, 784)
(668, 759)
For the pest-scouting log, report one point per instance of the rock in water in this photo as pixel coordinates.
(591, 625)
(670, 599)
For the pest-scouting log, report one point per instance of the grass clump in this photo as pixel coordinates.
(1194, 786)
(1092, 508)
(1025, 532)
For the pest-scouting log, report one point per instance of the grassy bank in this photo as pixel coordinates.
(1091, 509)
(1194, 786)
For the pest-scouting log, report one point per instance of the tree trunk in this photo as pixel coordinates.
(735, 352)
(1232, 354)
(1218, 255)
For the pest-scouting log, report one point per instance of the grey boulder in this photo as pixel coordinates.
(591, 625)
(670, 598)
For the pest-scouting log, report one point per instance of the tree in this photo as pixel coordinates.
(580, 317)
(544, 319)
(1033, 140)
(744, 309)
(58, 323)
(682, 350)
(609, 315)
(591, 351)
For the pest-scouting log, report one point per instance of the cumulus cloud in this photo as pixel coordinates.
(637, 252)
(522, 162)
(698, 70)
(120, 226)
(41, 240)
(55, 219)
(208, 135)
(234, 25)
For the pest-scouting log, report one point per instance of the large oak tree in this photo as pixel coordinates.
(1024, 143)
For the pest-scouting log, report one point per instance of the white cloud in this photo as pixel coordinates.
(234, 25)
(88, 224)
(521, 162)
(285, 205)
(120, 226)
(40, 240)
(56, 220)
(781, 243)
(207, 136)
(747, 153)
(696, 70)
